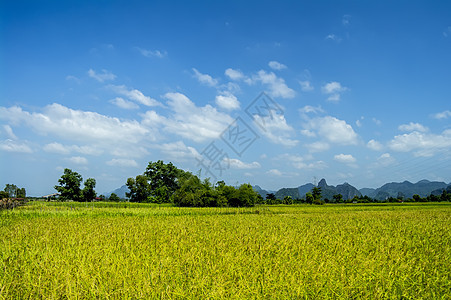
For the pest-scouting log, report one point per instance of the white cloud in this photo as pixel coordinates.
(122, 103)
(345, 20)
(9, 132)
(442, 115)
(227, 101)
(63, 149)
(276, 129)
(122, 162)
(77, 125)
(73, 78)
(345, 158)
(79, 160)
(413, 127)
(152, 53)
(276, 85)
(447, 32)
(274, 172)
(377, 122)
(311, 109)
(306, 86)
(15, 146)
(234, 74)
(333, 89)
(238, 164)
(424, 144)
(318, 146)
(374, 145)
(333, 130)
(178, 151)
(301, 162)
(276, 65)
(188, 120)
(205, 78)
(134, 95)
(385, 160)
(101, 77)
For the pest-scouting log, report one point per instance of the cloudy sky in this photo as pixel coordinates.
(272, 93)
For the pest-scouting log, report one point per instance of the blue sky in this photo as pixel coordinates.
(354, 92)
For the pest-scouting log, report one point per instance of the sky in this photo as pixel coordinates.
(272, 93)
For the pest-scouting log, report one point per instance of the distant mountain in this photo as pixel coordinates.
(120, 192)
(261, 191)
(304, 189)
(283, 192)
(345, 189)
(406, 189)
(368, 192)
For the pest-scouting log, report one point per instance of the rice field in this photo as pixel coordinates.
(51, 250)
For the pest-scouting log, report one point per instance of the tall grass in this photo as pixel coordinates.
(108, 251)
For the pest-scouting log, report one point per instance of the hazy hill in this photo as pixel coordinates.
(120, 192)
(423, 188)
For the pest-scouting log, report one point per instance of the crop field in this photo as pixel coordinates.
(51, 250)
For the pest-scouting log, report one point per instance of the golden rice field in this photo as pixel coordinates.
(140, 251)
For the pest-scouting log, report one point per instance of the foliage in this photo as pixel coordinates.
(69, 186)
(89, 193)
(113, 197)
(13, 191)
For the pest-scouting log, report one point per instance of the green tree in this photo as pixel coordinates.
(271, 198)
(89, 193)
(338, 198)
(139, 189)
(287, 200)
(21, 193)
(3, 194)
(115, 198)
(309, 198)
(11, 189)
(316, 193)
(69, 185)
(163, 180)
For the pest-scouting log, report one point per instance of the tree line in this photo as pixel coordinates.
(165, 183)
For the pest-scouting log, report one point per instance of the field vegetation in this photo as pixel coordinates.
(107, 250)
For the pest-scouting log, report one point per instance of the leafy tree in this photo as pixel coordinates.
(88, 192)
(309, 198)
(3, 194)
(316, 193)
(102, 197)
(114, 197)
(247, 195)
(338, 198)
(416, 198)
(69, 185)
(139, 189)
(163, 180)
(21, 193)
(287, 200)
(11, 189)
(271, 198)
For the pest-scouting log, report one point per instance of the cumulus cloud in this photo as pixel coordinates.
(385, 160)
(374, 145)
(178, 151)
(318, 146)
(274, 172)
(205, 78)
(333, 89)
(311, 109)
(64, 149)
(135, 95)
(122, 162)
(423, 144)
(228, 101)
(332, 130)
(15, 146)
(303, 162)
(77, 125)
(413, 127)
(276, 129)
(276, 65)
(234, 74)
(442, 115)
(79, 160)
(277, 86)
(101, 77)
(345, 158)
(152, 53)
(8, 131)
(188, 120)
(238, 164)
(122, 103)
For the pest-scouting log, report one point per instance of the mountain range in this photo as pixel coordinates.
(406, 189)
